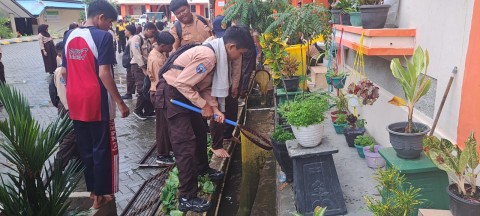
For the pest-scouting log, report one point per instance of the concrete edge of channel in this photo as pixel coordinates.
(21, 40)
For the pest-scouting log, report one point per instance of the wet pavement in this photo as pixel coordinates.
(25, 71)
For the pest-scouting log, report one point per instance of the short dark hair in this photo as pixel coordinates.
(164, 38)
(97, 7)
(132, 29)
(160, 26)
(240, 36)
(176, 4)
(150, 26)
(59, 46)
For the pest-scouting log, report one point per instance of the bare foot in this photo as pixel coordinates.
(221, 153)
(100, 201)
(92, 195)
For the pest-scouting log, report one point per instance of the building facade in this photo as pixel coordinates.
(135, 8)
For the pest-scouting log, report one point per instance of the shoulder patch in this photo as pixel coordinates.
(201, 68)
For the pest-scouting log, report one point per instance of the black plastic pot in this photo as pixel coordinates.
(335, 16)
(350, 135)
(461, 207)
(407, 145)
(281, 154)
(345, 18)
(291, 84)
(374, 16)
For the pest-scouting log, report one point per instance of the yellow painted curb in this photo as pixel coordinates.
(5, 42)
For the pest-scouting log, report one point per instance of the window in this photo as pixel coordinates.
(193, 9)
(52, 16)
(207, 15)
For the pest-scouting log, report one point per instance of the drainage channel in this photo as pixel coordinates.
(147, 199)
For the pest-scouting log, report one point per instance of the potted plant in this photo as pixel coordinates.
(396, 198)
(279, 137)
(341, 104)
(373, 157)
(374, 13)
(338, 78)
(364, 91)
(340, 123)
(289, 80)
(406, 137)
(362, 141)
(341, 11)
(355, 128)
(355, 16)
(306, 115)
(462, 167)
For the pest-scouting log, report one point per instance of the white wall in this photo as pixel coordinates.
(443, 28)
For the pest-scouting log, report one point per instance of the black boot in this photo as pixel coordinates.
(194, 204)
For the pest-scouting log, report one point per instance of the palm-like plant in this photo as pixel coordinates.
(33, 188)
(253, 13)
(415, 84)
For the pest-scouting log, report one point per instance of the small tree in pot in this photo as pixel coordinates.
(355, 128)
(406, 137)
(340, 123)
(462, 167)
(341, 104)
(289, 79)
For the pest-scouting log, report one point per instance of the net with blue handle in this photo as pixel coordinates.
(250, 134)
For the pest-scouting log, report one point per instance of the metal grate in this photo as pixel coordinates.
(147, 199)
(149, 159)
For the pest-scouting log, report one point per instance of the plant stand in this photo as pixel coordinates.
(316, 179)
(421, 173)
(281, 95)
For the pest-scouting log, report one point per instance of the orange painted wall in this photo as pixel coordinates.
(123, 10)
(469, 119)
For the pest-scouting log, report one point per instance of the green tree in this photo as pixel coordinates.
(32, 187)
(5, 30)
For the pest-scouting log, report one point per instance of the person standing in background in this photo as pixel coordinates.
(47, 49)
(129, 32)
(120, 30)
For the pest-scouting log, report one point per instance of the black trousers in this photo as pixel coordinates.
(188, 135)
(224, 131)
(2, 73)
(122, 41)
(143, 105)
(130, 81)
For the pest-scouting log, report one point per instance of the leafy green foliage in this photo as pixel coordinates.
(5, 31)
(341, 102)
(169, 192)
(34, 186)
(254, 13)
(346, 6)
(281, 135)
(273, 48)
(205, 185)
(176, 213)
(294, 22)
(364, 140)
(341, 119)
(397, 199)
(460, 164)
(371, 2)
(305, 111)
(414, 82)
(319, 211)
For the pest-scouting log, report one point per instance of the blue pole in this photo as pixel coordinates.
(198, 110)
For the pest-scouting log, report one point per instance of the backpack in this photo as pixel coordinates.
(169, 63)
(178, 27)
(126, 58)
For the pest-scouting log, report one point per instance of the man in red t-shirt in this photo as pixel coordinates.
(92, 96)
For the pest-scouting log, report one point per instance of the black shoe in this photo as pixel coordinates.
(127, 96)
(165, 160)
(150, 115)
(194, 204)
(139, 116)
(214, 175)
